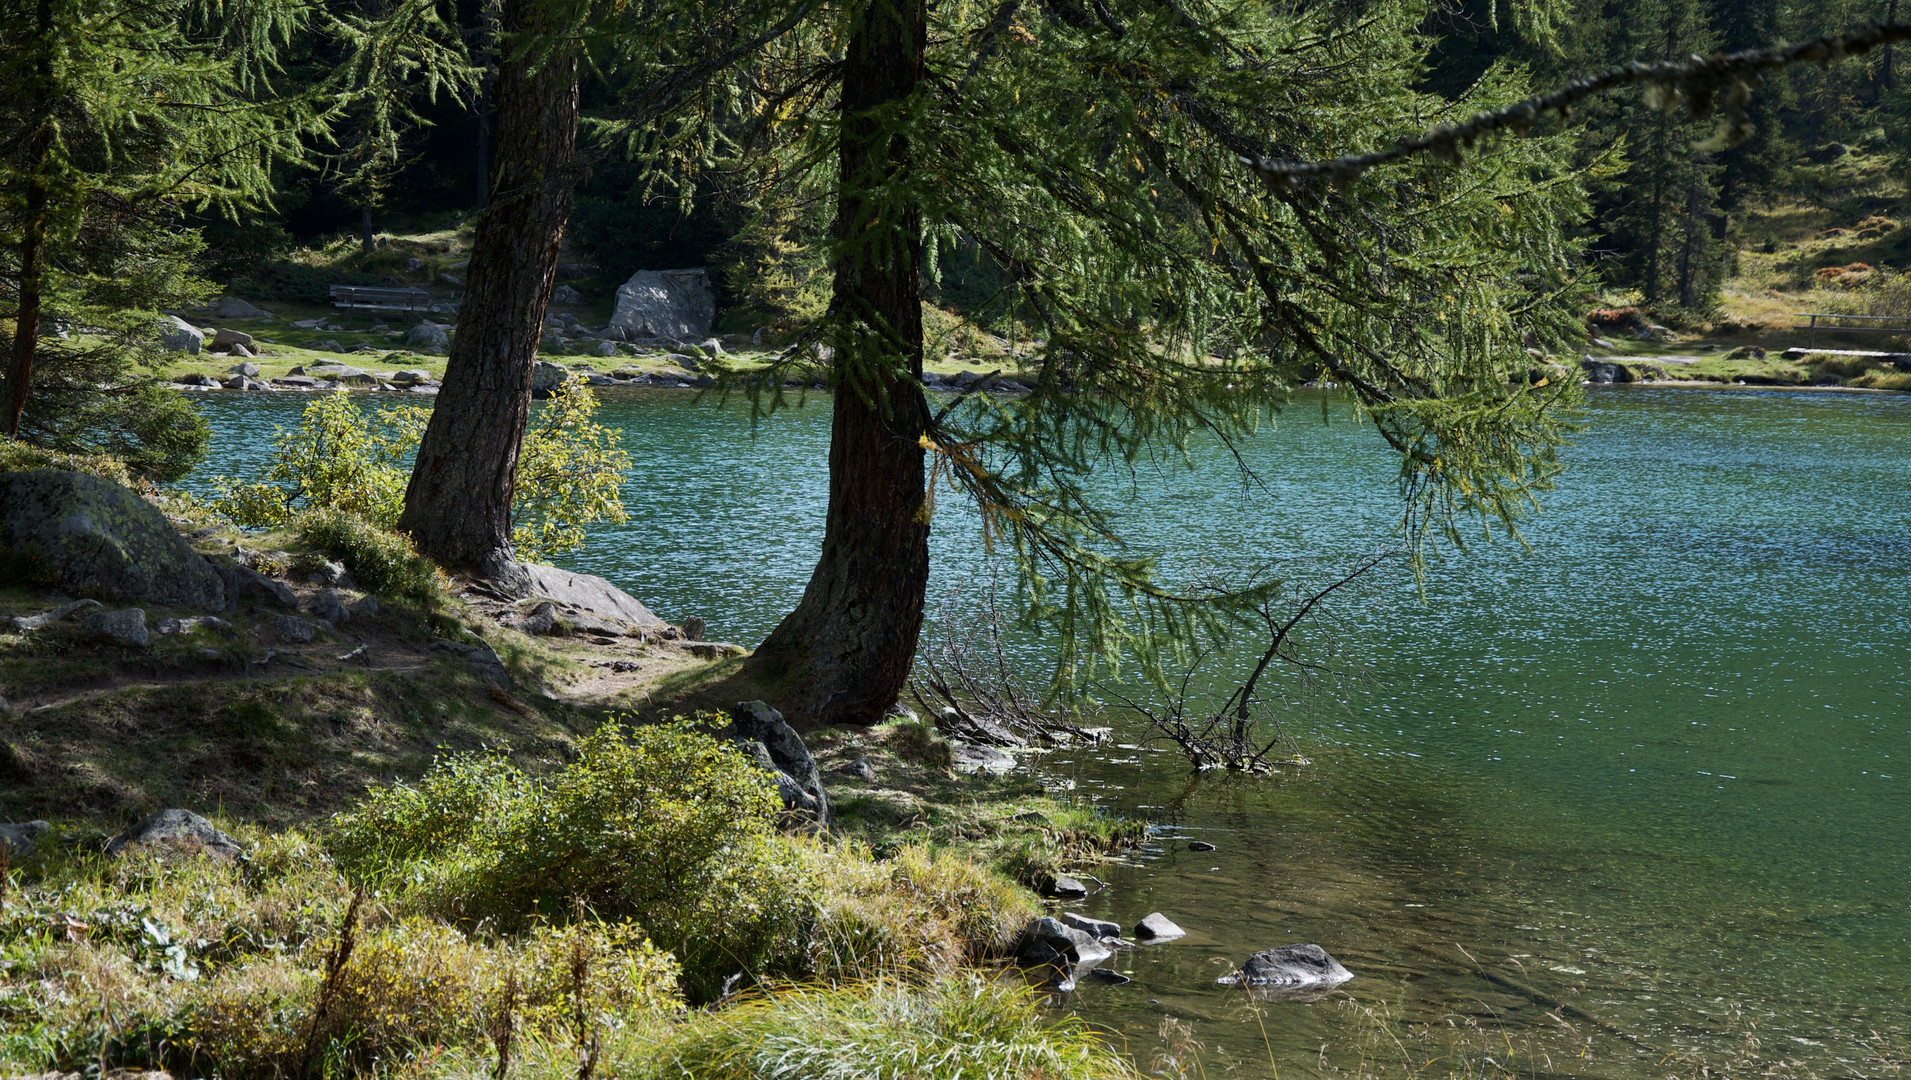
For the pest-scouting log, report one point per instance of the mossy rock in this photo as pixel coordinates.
(92, 537)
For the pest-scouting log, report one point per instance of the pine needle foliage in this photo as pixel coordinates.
(1099, 156)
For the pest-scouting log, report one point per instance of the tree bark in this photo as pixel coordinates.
(843, 656)
(458, 504)
(26, 323)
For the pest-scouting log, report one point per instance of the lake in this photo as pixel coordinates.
(1635, 792)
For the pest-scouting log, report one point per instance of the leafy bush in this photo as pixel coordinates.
(382, 561)
(570, 469)
(17, 456)
(339, 458)
(664, 825)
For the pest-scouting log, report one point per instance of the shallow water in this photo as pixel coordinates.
(1647, 775)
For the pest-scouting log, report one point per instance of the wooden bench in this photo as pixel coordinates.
(379, 298)
(1832, 324)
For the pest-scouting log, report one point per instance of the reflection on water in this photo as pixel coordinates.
(1634, 794)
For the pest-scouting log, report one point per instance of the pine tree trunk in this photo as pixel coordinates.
(458, 505)
(843, 656)
(26, 323)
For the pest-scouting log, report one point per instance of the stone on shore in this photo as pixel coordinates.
(590, 593)
(761, 731)
(675, 304)
(181, 336)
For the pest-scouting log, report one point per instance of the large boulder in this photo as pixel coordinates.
(180, 831)
(231, 307)
(126, 626)
(1604, 372)
(546, 377)
(179, 335)
(98, 538)
(673, 304)
(589, 592)
(1289, 967)
(429, 337)
(761, 731)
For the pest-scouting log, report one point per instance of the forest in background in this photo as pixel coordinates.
(1666, 229)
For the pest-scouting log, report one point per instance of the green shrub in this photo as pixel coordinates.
(963, 1026)
(663, 825)
(17, 456)
(382, 561)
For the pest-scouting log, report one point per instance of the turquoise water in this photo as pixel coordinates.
(1647, 774)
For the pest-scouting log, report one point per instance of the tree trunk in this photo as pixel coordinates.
(26, 323)
(366, 242)
(843, 656)
(458, 504)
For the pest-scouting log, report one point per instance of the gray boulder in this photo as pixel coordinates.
(126, 626)
(606, 348)
(339, 373)
(22, 839)
(1063, 887)
(1158, 927)
(181, 336)
(187, 626)
(760, 730)
(694, 628)
(245, 583)
(178, 830)
(482, 657)
(365, 607)
(588, 592)
(197, 379)
(1289, 967)
(666, 304)
(223, 339)
(429, 337)
(541, 619)
(231, 307)
(98, 537)
(1049, 941)
(246, 368)
(329, 604)
(1604, 372)
(970, 758)
(330, 345)
(293, 630)
(546, 376)
(564, 294)
(411, 377)
(1096, 928)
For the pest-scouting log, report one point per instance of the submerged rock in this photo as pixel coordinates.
(1099, 928)
(1063, 887)
(1297, 967)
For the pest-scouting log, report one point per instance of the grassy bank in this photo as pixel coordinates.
(449, 870)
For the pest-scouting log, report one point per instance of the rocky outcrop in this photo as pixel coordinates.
(180, 831)
(94, 536)
(1604, 372)
(1289, 967)
(761, 732)
(24, 623)
(674, 304)
(590, 593)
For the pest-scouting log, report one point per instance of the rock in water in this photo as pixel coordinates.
(546, 377)
(180, 830)
(1097, 928)
(969, 758)
(1604, 372)
(760, 730)
(126, 626)
(95, 536)
(1064, 887)
(1158, 927)
(666, 304)
(1295, 967)
(589, 592)
(1049, 941)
